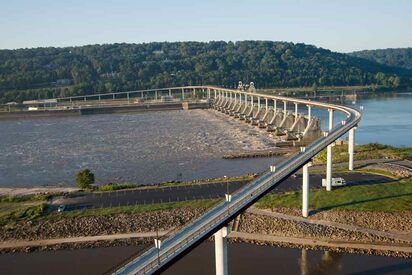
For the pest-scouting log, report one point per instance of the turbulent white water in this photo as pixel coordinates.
(138, 147)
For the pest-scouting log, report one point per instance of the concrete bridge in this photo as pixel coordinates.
(247, 106)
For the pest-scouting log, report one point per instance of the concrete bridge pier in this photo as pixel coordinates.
(329, 156)
(221, 251)
(309, 113)
(305, 189)
(285, 107)
(351, 147)
(296, 111)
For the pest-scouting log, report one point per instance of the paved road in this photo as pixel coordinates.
(363, 163)
(198, 191)
(44, 242)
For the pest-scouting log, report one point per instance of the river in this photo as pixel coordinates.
(243, 259)
(141, 148)
(163, 146)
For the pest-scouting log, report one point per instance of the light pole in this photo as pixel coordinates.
(227, 195)
(158, 242)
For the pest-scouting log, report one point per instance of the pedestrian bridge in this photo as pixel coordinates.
(246, 105)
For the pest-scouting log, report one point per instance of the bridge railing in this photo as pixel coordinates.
(245, 196)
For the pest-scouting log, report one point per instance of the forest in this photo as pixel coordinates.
(401, 57)
(56, 72)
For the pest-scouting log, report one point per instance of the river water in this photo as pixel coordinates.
(386, 119)
(144, 148)
(163, 146)
(243, 259)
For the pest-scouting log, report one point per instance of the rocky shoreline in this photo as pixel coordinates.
(249, 223)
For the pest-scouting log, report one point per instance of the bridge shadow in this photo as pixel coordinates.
(326, 208)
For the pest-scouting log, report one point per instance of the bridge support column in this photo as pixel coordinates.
(329, 156)
(285, 107)
(266, 103)
(309, 113)
(183, 93)
(305, 190)
(296, 111)
(351, 147)
(274, 105)
(221, 251)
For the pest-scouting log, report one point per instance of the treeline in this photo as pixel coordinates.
(392, 57)
(51, 72)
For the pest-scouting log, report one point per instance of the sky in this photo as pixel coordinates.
(342, 26)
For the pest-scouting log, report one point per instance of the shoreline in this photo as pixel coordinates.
(399, 168)
(363, 243)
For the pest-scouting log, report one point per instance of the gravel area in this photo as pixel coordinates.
(92, 226)
(399, 171)
(251, 223)
(384, 221)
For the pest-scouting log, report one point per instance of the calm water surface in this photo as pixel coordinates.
(243, 259)
(386, 119)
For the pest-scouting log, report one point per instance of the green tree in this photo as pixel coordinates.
(84, 179)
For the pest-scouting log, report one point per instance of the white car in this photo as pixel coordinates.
(61, 208)
(335, 182)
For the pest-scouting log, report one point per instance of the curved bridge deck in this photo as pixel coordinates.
(176, 245)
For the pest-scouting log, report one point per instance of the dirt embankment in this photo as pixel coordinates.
(102, 225)
(262, 225)
(384, 221)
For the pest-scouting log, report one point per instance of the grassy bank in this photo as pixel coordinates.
(390, 197)
(122, 186)
(132, 209)
(27, 208)
(365, 152)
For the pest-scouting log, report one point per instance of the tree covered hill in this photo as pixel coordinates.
(51, 72)
(401, 57)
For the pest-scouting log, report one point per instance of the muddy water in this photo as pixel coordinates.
(143, 148)
(243, 259)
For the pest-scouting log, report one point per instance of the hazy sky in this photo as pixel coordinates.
(343, 26)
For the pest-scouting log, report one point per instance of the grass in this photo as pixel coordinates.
(116, 186)
(12, 212)
(365, 152)
(121, 186)
(389, 197)
(15, 211)
(133, 209)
